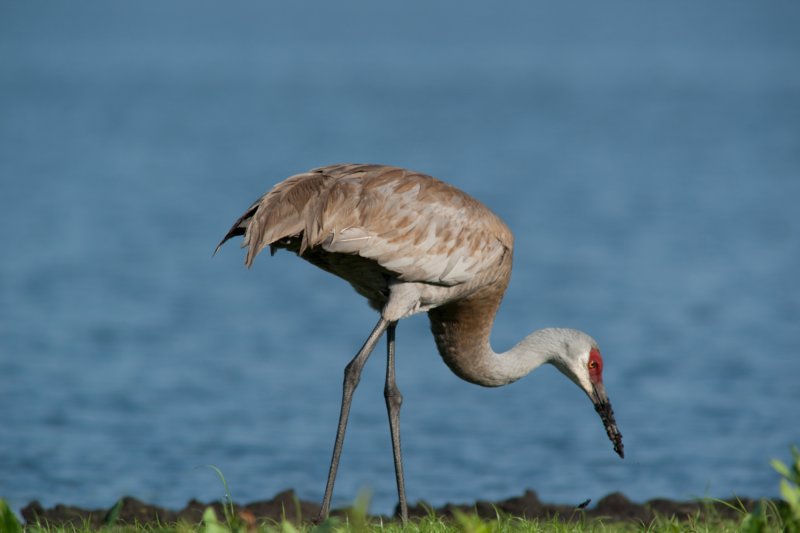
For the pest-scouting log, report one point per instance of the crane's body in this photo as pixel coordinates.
(410, 243)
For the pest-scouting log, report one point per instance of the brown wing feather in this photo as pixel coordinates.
(412, 224)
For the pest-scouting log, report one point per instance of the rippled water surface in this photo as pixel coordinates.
(646, 157)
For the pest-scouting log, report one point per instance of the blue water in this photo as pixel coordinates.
(647, 157)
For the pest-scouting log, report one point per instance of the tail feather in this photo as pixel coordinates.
(239, 227)
(284, 212)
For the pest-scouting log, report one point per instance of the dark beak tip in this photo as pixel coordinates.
(607, 416)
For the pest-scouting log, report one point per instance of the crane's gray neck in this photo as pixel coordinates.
(462, 329)
(480, 364)
(540, 347)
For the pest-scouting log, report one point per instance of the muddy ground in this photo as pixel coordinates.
(614, 507)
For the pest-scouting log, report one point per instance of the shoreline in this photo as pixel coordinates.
(285, 505)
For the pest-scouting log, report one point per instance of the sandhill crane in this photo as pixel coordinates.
(410, 243)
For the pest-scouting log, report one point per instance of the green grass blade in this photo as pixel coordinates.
(113, 513)
(8, 522)
(211, 523)
(230, 512)
(781, 468)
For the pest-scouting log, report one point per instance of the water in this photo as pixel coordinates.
(646, 156)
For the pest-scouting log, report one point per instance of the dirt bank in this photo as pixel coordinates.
(614, 507)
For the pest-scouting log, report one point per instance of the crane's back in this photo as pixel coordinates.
(370, 224)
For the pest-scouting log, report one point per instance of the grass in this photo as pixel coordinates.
(430, 524)
(768, 517)
(357, 521)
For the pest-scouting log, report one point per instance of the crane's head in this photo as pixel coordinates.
(580, 360)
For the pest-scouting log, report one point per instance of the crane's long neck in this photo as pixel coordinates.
(462, 329)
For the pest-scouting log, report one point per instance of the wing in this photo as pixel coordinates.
(411, 224)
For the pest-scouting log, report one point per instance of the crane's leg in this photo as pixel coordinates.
(352, 375)
(393, 402)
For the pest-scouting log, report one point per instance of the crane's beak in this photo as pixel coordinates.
(603, 407)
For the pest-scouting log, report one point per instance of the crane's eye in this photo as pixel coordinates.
(595, 366)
